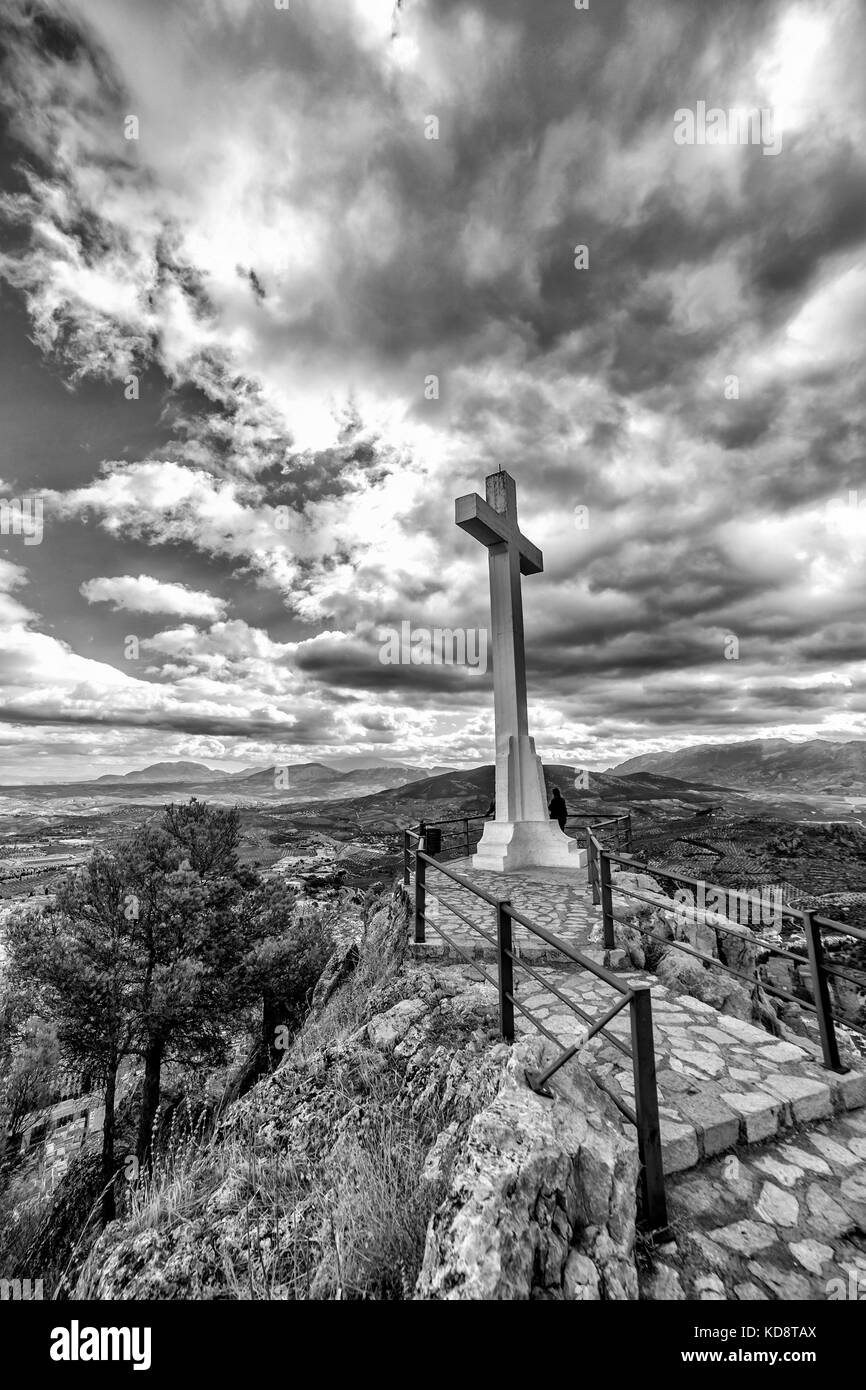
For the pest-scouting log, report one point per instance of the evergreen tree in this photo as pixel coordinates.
(191, 935)
(81, 956)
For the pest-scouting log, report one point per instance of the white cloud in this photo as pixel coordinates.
(148, 595)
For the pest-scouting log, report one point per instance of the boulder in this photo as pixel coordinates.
(337, 970)
(685, 975)
(542, 1199)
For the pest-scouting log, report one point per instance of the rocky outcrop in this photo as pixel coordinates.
(739, 996)
(686, 975)
(397, 1152)
(541, 1203)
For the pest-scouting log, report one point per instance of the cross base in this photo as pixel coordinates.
(524, 844)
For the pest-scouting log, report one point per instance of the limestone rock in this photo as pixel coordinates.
(685, 975)
(664, 1285)
(387, 1029)
(745, 1237)
(776, 1206)
(580, 1278)
(750, 1292)
(537, 1184)
(336, 972)
(811, 1254)
(784, 1284)
(710, 1288)
(827, 1218)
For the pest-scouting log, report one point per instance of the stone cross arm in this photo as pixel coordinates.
(491, 527)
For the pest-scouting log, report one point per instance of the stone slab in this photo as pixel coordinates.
(806, 1099)
(716, 1124)
(758, 1111)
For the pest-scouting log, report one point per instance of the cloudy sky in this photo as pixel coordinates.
(281, 261)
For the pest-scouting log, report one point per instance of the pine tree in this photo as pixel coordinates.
(81, 959)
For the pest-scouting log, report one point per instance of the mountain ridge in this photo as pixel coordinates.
(816, 765)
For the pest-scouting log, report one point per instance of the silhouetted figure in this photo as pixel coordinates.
(557, 808)
(491, 809)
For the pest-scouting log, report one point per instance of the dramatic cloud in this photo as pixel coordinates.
(329, 258)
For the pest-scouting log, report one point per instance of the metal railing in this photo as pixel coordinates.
(635, 996)
(600, 860)
(461, 839)
(458, 832)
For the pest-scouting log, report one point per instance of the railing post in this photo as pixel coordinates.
(821, 994)
(628, 832)
(420, 888)
(655, 1211)
(592, 865)
(466, 832)
(607, 902)
(406, 859)
(506, 970)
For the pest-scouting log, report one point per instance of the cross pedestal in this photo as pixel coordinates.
(522, 835)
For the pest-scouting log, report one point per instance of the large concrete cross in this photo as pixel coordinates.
(522, 833)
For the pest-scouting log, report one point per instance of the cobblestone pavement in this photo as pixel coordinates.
(764, 1150)
(556, 899)
(721, 1081)
(786, 1220)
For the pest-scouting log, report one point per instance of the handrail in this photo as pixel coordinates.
(456, 820)
(599, 863)
(636, 996)
(665, 871)
(576, 956)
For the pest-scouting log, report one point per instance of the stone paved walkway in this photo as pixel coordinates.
(557, 899)
(721, 1081)
(786, 1220)
(764, 1151)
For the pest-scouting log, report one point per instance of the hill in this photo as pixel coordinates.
(315, 781)
(470, 792)
(817, 766)
(356, 762)
(299, 775)
(166, 772)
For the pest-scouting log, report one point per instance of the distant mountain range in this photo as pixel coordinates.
(816, 766)
(307, 779)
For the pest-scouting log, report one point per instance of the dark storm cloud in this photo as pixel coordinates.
(254, 724)
(348, 257)
(357, 665)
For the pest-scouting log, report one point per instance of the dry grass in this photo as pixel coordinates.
(351, 1225)
(380, 1208)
